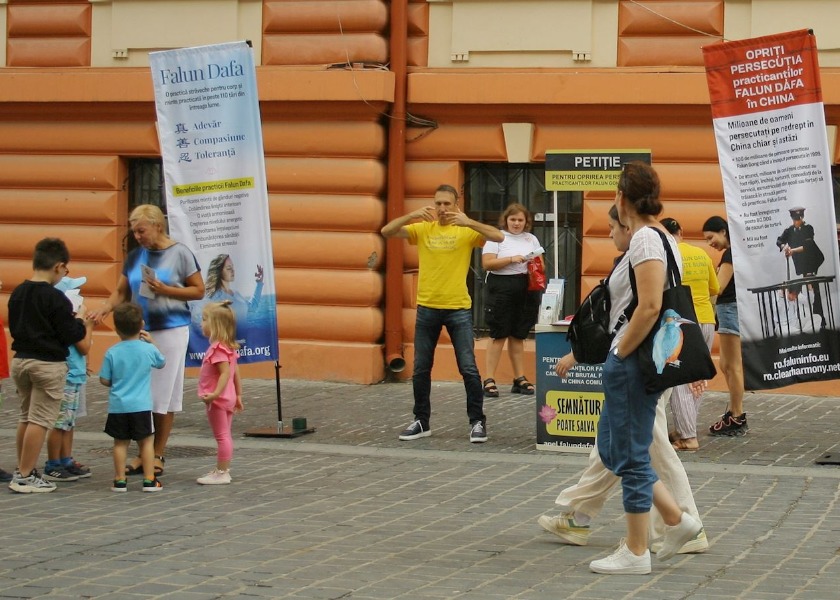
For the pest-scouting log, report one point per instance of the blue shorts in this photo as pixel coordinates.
(727, 316)
(66, 420)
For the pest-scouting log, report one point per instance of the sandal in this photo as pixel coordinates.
(681, 445)
(134, 470)
(521, 385)
(159, 469)
(490, 389)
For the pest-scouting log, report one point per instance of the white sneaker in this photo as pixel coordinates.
(622, 562)
(564, 527)
(31, 484)
(675, 537)
(215, 477)
(696, 545)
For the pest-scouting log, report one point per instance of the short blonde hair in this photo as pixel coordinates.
(150, 213)
(221, 322)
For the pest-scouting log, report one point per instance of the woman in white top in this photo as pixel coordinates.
(625, 426)
(510, 309)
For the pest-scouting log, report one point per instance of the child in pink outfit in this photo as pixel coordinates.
(219, 384)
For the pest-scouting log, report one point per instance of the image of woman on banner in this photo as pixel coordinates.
(510, 307)
(220, 276)
(255, 325)
(161, 275)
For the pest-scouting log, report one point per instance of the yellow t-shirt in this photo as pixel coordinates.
(444, 252)
(699, 274)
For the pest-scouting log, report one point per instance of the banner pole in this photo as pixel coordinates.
(299, 426)
(556, 249)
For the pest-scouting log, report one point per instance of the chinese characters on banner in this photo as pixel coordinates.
(770, 130)
(216, 195)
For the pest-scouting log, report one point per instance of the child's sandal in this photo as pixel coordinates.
(490, 389)
(159, 469)
(522, 386)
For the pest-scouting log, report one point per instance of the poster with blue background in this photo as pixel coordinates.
(216, 194)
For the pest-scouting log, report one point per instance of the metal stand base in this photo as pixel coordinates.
(278, 432)
(829, 458)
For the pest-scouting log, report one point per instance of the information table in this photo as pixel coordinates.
(567, 407)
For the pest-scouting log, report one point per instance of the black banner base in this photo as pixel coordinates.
(278, 432)
(829, 458)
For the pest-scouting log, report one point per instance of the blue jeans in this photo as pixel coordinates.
(625, 431)
(458, 323)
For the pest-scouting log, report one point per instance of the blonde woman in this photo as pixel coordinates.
(161, 275)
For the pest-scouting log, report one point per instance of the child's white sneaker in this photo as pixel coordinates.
(215, 477)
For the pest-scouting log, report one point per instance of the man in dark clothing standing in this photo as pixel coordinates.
(797, 242)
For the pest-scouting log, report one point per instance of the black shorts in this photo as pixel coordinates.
(509, 308)
(130, 426)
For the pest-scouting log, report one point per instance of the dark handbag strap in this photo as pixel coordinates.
(674, 277)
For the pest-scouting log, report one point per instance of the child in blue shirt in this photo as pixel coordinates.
(127, 370)
(60, 466)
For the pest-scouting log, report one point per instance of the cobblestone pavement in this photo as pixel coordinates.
(351, 512)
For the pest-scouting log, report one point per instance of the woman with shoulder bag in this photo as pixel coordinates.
(625, 427)
(510, 307)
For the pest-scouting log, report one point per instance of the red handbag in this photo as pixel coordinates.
(536, 274)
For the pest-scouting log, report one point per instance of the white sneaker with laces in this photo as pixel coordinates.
(31, 484)
(215, 477)
(415, 431)
(478, 433)
(622, 562)
(565, 527)
(696, 545)
(675, 537)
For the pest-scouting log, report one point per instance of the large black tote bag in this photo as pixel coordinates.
(674, 352)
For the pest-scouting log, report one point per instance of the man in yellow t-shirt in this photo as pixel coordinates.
(445, 238)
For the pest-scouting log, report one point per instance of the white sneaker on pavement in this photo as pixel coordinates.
(215, 477)
(31, 484)
(565, 527)
(696, 545)
(622, 562)
(675, 537)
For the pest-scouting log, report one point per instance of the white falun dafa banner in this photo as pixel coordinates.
(216, 194)
(770, 128)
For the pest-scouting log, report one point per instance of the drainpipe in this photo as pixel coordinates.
(394, 359)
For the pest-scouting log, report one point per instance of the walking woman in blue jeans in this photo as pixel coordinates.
(625, 428)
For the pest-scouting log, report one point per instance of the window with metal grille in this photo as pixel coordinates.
(145, 186)
(490, 188)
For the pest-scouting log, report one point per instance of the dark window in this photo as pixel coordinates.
(145, 186)
(490, 188)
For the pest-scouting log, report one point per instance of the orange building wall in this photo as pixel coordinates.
(646, 38)
(65, 135)
(48, 34)
(325, 32)
(63, 173)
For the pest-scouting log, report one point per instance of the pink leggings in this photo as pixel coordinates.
(220, 422)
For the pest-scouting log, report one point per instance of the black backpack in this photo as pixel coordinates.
(589, 333)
